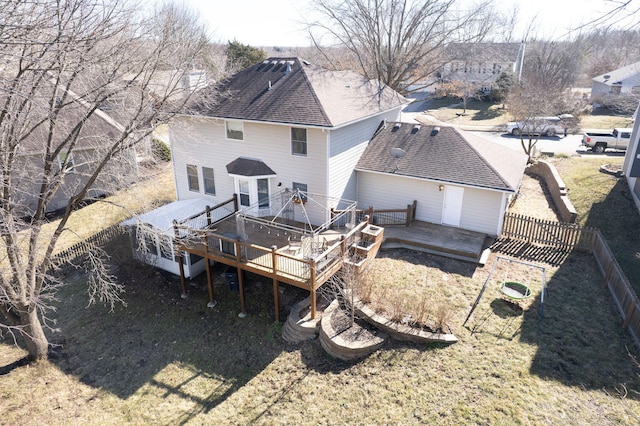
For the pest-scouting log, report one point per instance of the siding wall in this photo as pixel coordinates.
(346, 146)
(391, 192)
(481, 210)
(202, 142)
(120, 172)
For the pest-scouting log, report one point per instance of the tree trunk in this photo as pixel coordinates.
(34, 337)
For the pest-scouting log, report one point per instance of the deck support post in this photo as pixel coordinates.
(183, 285)
(276, 299)
(313, 290)
(243, 309)
(212, 302)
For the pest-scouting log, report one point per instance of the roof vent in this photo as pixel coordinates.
(415, 129)
(269, 88)
(288, 69)
(396, 126)
(397, 153)
(435, 131)
(607, 76)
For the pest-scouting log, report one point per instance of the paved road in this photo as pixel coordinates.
(571, 145)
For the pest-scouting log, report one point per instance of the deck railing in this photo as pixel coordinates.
(310, 271)
(386, 217)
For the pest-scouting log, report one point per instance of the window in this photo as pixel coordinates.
(235, 130)
(243, 190)
(192, 178)
(302, 187)
(209, 181)
(298, 141)
(263, 193)
(66, 162)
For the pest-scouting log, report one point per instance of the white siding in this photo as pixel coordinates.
(346, 146)
(481, 210)
(394, 192)
(202, 142)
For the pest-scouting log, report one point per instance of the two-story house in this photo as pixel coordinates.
(480, 64)
(282, 123)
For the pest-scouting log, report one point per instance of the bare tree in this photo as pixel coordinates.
(63, 65)
(397, 42)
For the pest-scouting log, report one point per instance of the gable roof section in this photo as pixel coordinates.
(616, 77)
(292, 91)
(446, 155)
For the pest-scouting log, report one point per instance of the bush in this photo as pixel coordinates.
(160, 150)
(619, 103)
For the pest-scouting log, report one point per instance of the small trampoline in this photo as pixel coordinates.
(515, 290)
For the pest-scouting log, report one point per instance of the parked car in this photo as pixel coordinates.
(599, 142)
(546, 126)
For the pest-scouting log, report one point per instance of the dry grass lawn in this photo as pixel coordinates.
(166, 360)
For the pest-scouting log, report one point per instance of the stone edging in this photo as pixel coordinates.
(340, 348)
(400, 331)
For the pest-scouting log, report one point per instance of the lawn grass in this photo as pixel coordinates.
(162, 359)
(166, 360)
(156, 190)
(480, 113)
(603, 201)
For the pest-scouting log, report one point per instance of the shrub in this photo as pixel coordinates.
(160, 150)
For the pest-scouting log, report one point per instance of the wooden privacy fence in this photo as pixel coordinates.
(619, 286)
(82, 247)
(558, 235)
(569, 236)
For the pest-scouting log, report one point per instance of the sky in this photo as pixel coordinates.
(278, 22)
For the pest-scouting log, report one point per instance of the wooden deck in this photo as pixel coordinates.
(437, 239)
(306, 263)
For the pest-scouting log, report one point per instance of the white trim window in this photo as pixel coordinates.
(298, 141)
(302, 187)
(243, 192)
(192, 178)
(252, 191)
(66, 162)
(235, 130)
(209, 181)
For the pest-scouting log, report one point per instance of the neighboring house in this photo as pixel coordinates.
(622, 80)
(90, 146)
(457, 178)
(631, 165)
(282, 123)
(480, 64)
(477, 65)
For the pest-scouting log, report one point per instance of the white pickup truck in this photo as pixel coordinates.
(598, 142)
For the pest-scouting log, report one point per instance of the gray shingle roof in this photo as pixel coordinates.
(290, 90)
(249, 167)
(447, 155)
(616, 77)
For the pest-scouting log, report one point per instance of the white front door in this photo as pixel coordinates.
(252, 191)
(452, 205)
